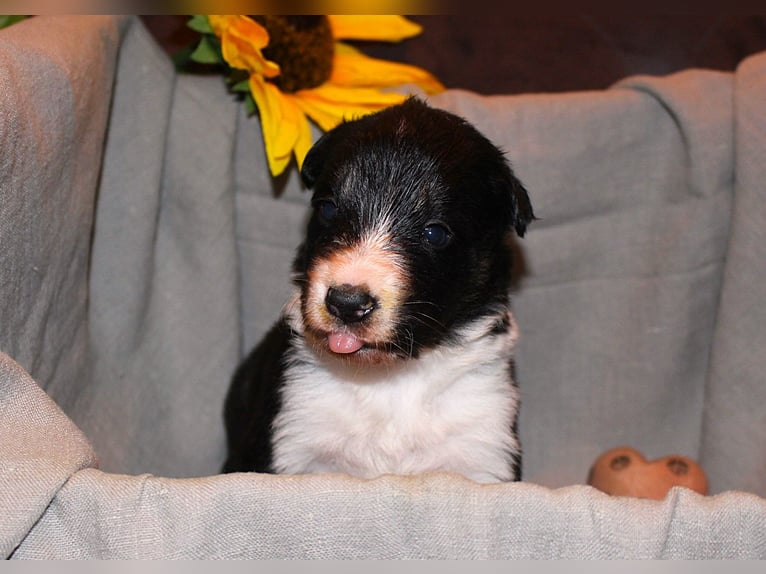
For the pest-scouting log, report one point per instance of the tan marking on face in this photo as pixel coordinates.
(371, 263)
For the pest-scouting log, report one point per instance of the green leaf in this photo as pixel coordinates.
(199, 23)
(207, 52)
(6, 19)
(182, 58)
(243, 86)
(250, 106)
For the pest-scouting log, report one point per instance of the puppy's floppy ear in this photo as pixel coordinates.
(521, 207)
(312, 164)
(515, 200)
(316, 158)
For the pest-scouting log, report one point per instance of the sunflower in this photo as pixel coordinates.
(295, 68)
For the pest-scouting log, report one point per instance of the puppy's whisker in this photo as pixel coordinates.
(428, 321)
(424, 318)
(409, 350)
(398, 345)
(410, 303)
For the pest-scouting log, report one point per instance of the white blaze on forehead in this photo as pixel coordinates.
(371, 263)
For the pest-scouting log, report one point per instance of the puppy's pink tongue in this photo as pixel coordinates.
(344, 343)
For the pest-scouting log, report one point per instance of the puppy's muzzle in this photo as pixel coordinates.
(350, 303)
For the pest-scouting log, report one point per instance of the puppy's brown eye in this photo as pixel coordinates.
(326, 209)
(437, 235)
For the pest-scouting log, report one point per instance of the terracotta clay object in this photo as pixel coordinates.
(624, 471)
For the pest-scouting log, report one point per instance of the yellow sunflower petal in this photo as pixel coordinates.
(304, 142)
(373, 27)
(219, 23)
(285, 128)
(328, 105)
(352, 68)
(242, 40)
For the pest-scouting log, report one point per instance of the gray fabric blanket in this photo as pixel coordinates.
(145, 248)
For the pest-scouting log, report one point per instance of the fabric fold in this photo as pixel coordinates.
(164, 293)
(734, 424)
(40, 449)
(431, 516)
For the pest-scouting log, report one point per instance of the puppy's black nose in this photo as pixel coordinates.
(348, 303)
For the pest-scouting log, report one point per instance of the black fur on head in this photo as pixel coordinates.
(447, 198)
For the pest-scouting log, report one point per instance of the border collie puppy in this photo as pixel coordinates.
(394, 353)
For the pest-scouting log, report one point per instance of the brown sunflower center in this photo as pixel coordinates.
(302, 46)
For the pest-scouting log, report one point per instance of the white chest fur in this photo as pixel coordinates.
(450, 410)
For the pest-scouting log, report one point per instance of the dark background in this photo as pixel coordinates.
(495, 53)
